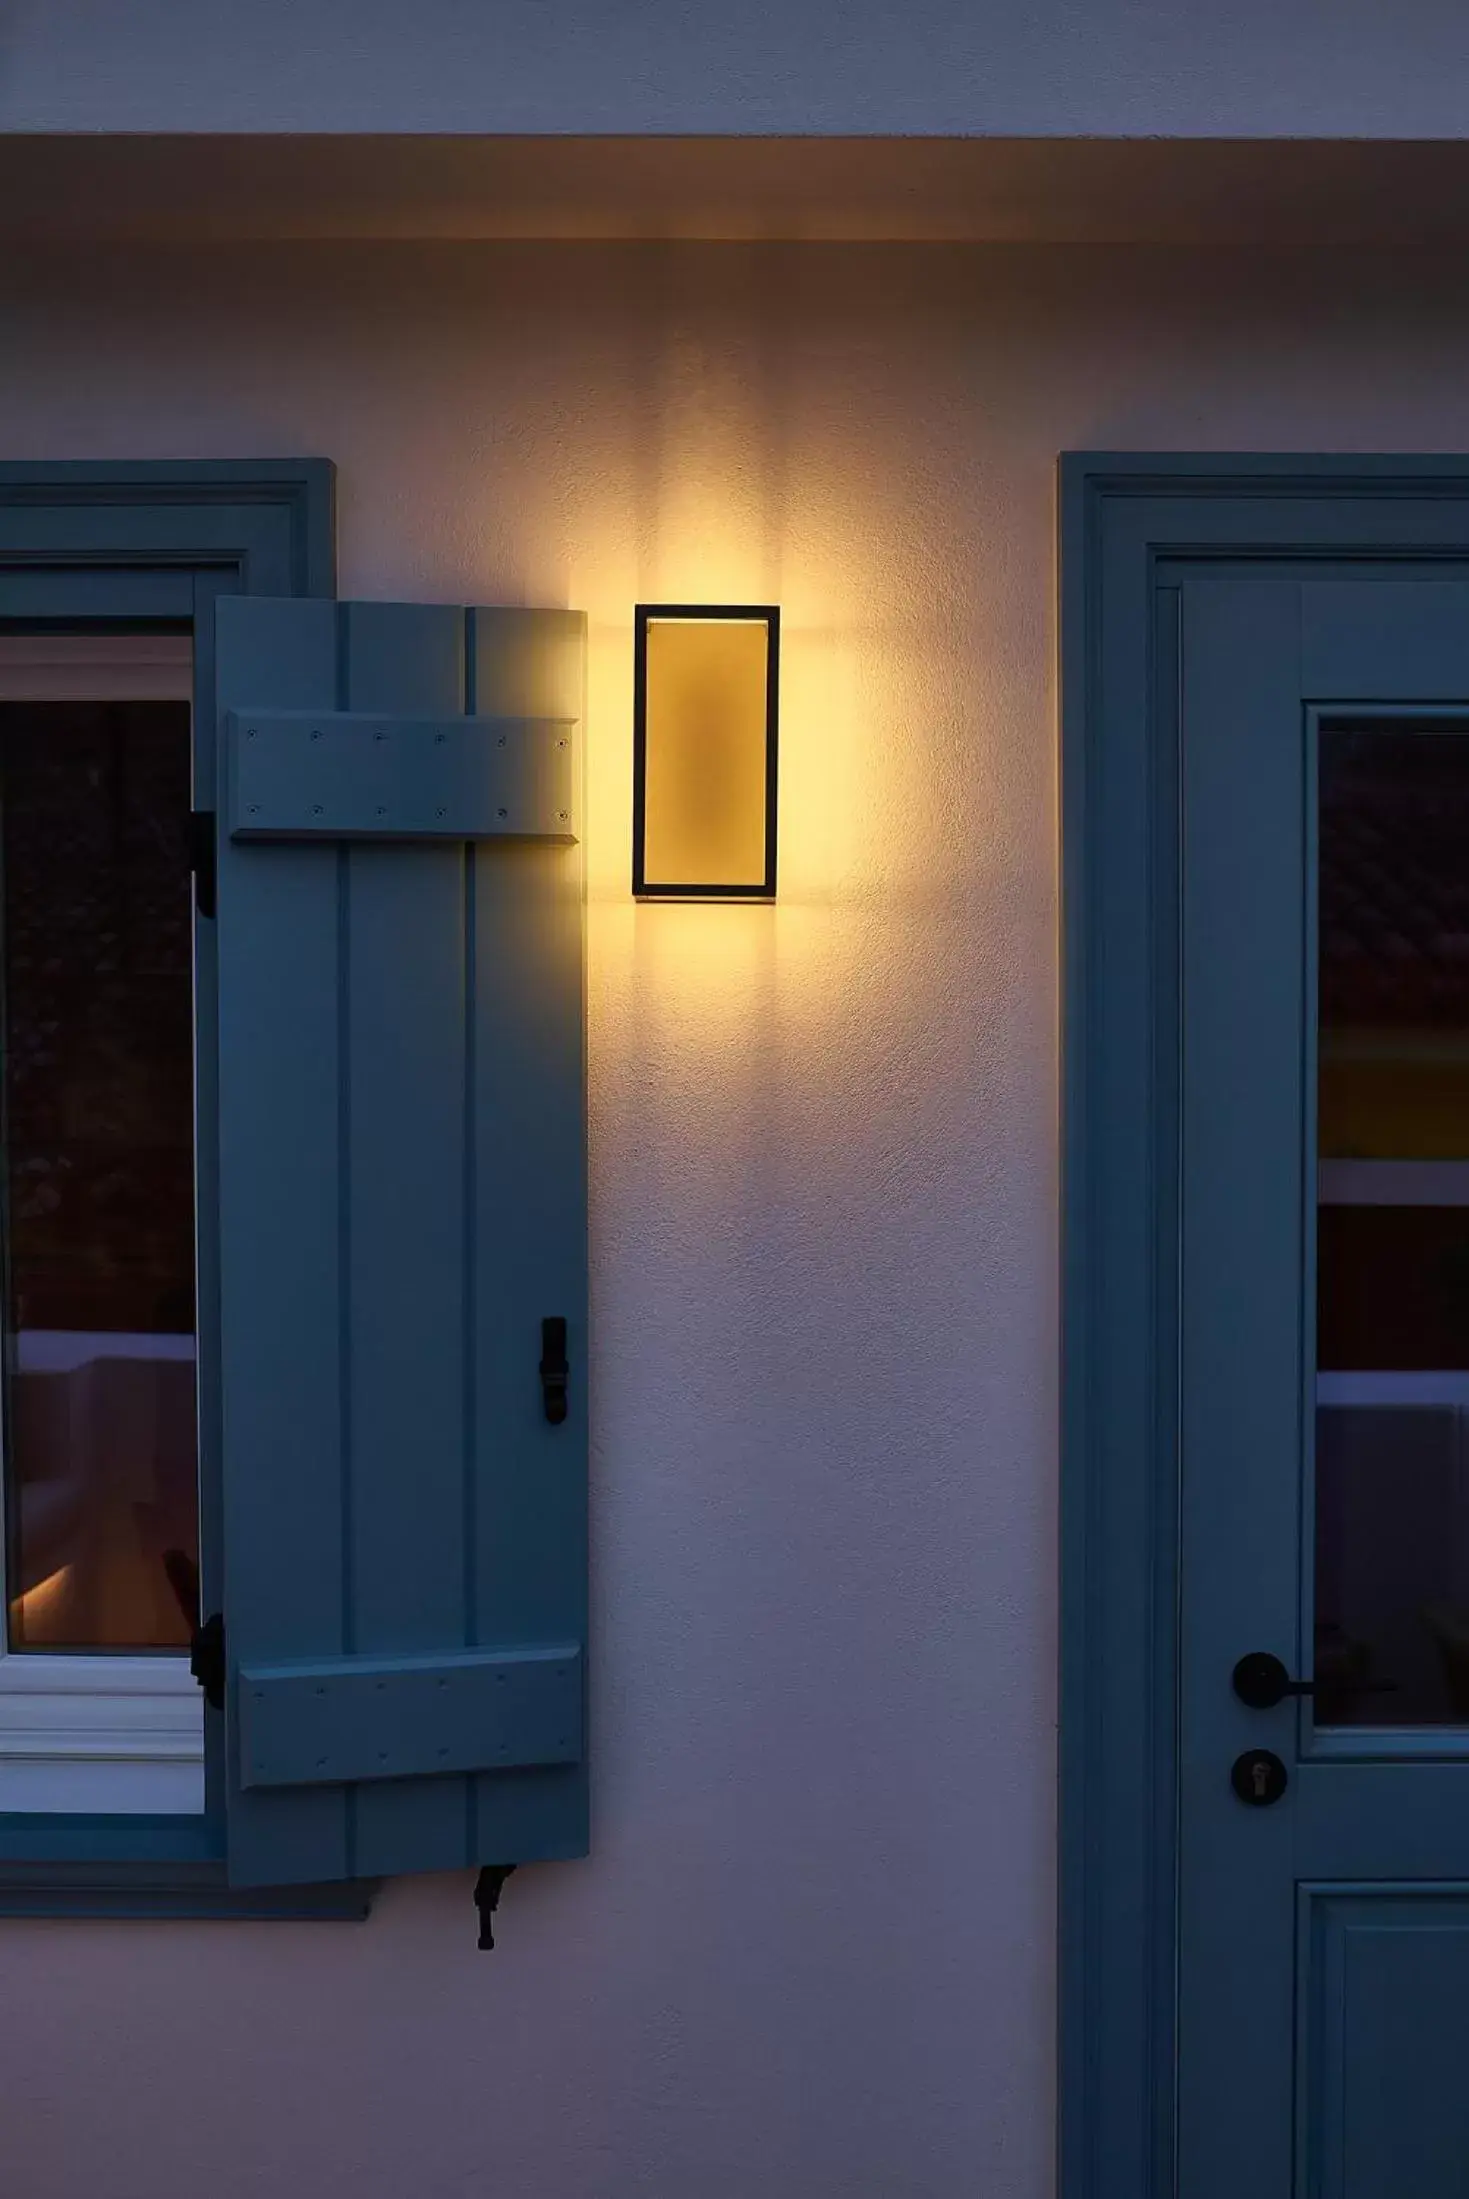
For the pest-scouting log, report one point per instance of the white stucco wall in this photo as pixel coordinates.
(812, 1956)
(1107, 68)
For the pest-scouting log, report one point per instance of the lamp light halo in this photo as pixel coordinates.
(705, 753)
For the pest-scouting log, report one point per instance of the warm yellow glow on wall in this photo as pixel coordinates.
(704, 752)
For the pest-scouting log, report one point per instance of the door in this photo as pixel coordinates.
(1323, 1417)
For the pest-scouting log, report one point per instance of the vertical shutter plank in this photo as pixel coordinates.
(279, 1084)
(529, 1174)
(406, 1108)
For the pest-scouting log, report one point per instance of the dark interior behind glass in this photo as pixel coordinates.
(1392, 1403)
(100, 1418)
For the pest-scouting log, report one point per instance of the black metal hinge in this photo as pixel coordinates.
(206, 1636)
(206, 1658)
(203, 859)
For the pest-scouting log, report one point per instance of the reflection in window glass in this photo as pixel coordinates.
(1392, 1252)
(100, 1422)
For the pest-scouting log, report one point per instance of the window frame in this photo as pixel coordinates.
(125, 545)
(90, 1731)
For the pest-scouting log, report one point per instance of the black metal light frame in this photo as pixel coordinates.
(769, 613)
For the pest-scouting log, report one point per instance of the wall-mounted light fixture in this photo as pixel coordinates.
(705, 720)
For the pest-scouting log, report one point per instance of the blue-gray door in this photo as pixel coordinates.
(1323, 2013)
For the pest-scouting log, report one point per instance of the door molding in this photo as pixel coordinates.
(1119, 661)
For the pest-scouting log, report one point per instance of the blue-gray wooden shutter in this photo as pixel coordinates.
(402, 1203)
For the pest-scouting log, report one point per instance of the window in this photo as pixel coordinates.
(296, 1314)
(100, 1428)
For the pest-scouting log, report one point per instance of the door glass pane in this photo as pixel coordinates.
(96, 942)
(1392, 1246)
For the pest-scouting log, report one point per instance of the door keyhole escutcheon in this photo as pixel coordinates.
(1259, 1778)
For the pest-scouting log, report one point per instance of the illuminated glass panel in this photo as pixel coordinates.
(705, 753)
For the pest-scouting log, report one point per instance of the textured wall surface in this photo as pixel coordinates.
(1124, 68)
(812, 1956)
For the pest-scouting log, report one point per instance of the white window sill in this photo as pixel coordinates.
(100, 1734)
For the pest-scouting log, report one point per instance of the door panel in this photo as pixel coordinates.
(1385, 640)
(1322, 1518)
(1383, 1987)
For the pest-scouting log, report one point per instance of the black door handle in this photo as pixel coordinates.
(1262, 1681)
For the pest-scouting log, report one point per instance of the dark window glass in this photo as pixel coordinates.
(100, 1421)
(1392, 1247)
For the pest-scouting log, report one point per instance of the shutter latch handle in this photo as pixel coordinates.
(555, 1373)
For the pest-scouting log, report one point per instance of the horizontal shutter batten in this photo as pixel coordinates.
(404, 1717)
(359, 775)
